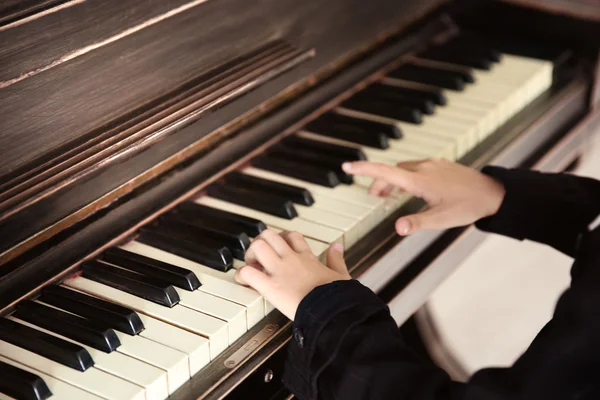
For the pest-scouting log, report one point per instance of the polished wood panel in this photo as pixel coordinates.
(51, 39)
(90, 94)
(50, 111)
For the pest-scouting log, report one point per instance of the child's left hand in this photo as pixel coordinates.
(284, 270)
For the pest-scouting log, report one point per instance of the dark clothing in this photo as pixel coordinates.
(346, 345)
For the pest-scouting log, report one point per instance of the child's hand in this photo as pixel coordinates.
(456, 195)
(284, 270)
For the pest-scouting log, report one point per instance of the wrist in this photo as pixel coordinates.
(496, 193)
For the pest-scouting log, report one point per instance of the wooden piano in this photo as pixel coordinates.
(144, 143)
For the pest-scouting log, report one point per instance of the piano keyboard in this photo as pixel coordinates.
(144, 317)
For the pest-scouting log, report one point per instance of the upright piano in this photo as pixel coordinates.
(145, 143)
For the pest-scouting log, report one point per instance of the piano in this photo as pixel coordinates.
(145, 143)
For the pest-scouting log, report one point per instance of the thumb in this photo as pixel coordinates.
(251, 276)
(335, 258)
(429, 219)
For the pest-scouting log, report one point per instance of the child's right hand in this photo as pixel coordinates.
(456, 195)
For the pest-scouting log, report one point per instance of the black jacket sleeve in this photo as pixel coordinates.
(553, 209)
(347, 346)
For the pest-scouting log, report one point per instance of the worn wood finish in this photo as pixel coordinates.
(109, 82)
(51, 39)
(12, 11)
(50, 111)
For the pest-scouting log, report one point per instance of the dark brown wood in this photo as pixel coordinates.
(15, 11)
(89, 87)
(181, 107)
(47, 40)
(583, 9)
(67, 102)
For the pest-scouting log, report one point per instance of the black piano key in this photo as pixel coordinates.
(385, 108)
(326, 149)
(214, 223)
(20, 384)
(278, 206)
(395, 95)
(310, 173)
(458, 57)
(429, 76)
(176, 276)
(463, 72)
(471, 43)
(133, 283)
(430, 94)
(103, 312)
(46, 345)
(219, 258)
(195, 230)
(251, 226)
(296, 194)
(66, 324)
(356, 130)
(307, 157)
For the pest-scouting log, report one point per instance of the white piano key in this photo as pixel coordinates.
(307, 228)
(488, 112)
(346, 209)
(466, 134)
(173, 362)
(350, 227)
(469, 118)
(92, 380)
(214, 282)
(151, 378)
(60, 390)
(194, 346)
(425, 149)
(183, 317)
(233, 314)
(319, 249)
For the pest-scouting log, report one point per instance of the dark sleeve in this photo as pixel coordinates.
(554, 209)
(347, 346)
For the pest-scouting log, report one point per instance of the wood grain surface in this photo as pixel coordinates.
(65, 104)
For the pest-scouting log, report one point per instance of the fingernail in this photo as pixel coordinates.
(347, 166)
(338, 247)
(403, 227)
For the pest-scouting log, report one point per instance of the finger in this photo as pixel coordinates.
(254, 278)
(412, 166)
(296, 241)
(274, 240)
(433, 218)
(335, 258)
(380, 187)
(261, 253)
(404, 179)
